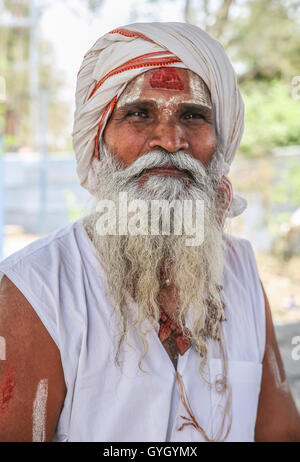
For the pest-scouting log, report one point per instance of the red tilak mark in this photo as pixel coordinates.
(6, 392)
(166, 77)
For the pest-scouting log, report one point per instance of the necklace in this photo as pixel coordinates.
(170, 330)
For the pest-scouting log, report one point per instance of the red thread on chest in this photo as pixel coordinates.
(166, 77)
(169, 328)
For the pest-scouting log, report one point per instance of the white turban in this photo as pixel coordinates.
(122, 54)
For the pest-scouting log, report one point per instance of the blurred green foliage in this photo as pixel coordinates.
(16, 57)
(10, 143)
(2, 118)
(286, 190)
(265, 37)
(272, 117)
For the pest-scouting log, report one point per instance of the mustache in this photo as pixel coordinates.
(159, 158)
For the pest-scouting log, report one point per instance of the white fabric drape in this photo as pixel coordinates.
(105, 402)
(197, 51)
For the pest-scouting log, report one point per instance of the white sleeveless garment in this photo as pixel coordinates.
(62, 279)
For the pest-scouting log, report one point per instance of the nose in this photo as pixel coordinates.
(169, 136)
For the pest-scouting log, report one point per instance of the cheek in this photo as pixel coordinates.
(206, 136)
(204, 143)
(211, 139)
(124, 143)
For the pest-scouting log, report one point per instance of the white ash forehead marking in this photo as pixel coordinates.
(198, 89)
(132, 91)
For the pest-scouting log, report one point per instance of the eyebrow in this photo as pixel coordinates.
(146, 104)
(137, 104)
(191, 107)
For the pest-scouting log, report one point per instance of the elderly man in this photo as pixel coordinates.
(115, 333)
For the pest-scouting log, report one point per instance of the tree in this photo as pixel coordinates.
(262, 37)
(23, 83)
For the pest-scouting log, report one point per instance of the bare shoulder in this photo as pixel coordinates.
(277, 416)
(30, 369)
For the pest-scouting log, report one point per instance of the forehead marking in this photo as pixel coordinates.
(199, 91)
(166, 77)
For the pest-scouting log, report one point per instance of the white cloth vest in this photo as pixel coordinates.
(61, 277)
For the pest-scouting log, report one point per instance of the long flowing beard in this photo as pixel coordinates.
(134, 264)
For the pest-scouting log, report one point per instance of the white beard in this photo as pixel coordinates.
(133, 263)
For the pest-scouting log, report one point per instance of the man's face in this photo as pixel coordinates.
(165, 108)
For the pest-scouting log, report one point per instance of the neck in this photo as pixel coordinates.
(168, 299)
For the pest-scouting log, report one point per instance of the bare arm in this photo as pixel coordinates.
(277, 417)
(31, 357)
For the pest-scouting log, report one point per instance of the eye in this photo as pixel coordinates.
(142, 114)
(193, 115)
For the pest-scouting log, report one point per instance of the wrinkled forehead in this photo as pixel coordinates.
(178, 83)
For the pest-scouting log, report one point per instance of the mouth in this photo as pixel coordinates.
(167, 170)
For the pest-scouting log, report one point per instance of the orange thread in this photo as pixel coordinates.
(192, 421)
(138, 58)
(185, 401)
(129, 33)
(119, 69)
(153, 53)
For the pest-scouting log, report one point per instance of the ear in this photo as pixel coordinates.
(225, 196)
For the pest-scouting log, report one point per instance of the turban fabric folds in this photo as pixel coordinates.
(121, 55)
